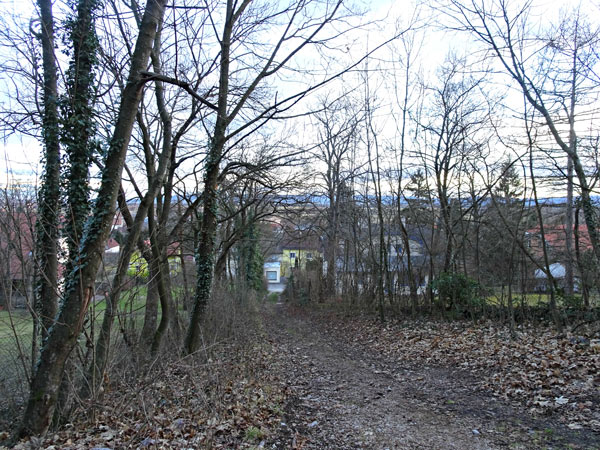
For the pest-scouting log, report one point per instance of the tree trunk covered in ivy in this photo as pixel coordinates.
(205, 257)
(251, 260)
(78, 129)
(79, 125)
(79, 288)
(49, 194)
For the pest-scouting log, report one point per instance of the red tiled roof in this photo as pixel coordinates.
(556, 236)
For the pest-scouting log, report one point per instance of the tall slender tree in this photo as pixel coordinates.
(79, 285)
(338, 124)
(505, 30)
(49, 192)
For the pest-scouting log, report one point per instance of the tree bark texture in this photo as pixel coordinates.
(62, 337)
(205, 257)
(79, 123)
(49, 195)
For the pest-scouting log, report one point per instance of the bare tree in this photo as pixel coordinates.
(553, 90)
(80, 282)
(338, 133)
(405, 90)
(239, 110)
(457, 117)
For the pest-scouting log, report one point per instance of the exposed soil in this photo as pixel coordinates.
(299, 379)
(343, 396)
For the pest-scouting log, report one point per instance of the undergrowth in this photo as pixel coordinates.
(206, 400)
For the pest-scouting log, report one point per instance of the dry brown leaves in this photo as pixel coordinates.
(558, 376)
(230, 401)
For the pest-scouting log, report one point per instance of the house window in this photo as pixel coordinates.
(309, 256)
(272, 275)
(292, 254)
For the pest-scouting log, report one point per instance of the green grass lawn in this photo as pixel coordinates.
(533, 300)
(15, 324)
(18, 324)
(529, 300)
(16, 330)
(131, 300)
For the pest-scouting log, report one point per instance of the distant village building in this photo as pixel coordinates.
(272, 272)
(16, 259)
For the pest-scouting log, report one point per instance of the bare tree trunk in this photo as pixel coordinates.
(446, 212)
(151, 310)
(583, 271)
(568, 257)
(548, 272)
(161, 268)
(381, 264)
(332, 244)
(80, 283)
(509, 300)
(414, 299)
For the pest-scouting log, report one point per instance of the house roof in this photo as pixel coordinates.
(306, 243)
(557, 270)
(556, 236)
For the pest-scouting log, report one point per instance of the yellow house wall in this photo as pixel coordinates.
(301, 255)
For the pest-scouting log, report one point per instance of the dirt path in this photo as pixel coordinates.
(343, 397)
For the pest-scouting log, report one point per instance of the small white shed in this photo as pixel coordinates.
(557, 270)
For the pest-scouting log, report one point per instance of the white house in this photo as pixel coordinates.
(272, 271)
(557, 270)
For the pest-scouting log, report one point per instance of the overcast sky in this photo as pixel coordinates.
(20, 155)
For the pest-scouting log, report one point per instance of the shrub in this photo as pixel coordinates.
(302, 287)
(457, 291)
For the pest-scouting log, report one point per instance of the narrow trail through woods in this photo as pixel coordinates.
(343, 397)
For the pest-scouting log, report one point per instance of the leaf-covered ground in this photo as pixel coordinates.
(428, 384)
(554, 376)
(229, 402)
(314, 380)
(227, 396)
